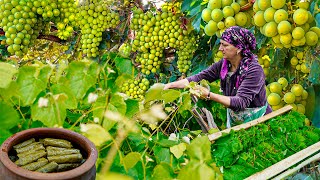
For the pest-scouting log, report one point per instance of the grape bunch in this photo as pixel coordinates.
(136, 88)
(20, 23)
(157, 31)
(222, 14)
(280, 93)
(298, 62)
(218, 56)
(288, 24)
(93, 18)
(67, 18)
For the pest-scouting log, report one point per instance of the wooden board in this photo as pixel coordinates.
(285, 163)
(273, 114)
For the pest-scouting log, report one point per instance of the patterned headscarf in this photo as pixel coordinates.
(245, 41)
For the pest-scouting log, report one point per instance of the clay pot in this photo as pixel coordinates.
(10, 171)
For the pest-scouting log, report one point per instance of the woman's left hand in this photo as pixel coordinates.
(201, 92)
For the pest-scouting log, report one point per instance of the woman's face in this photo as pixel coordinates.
(228, 50)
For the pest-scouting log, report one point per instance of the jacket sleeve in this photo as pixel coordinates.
(210, 74)
(248, 89)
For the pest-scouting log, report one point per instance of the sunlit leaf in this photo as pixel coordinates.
(200, 149)
(52, 115)
(118, 102)
(154, 92)
(112, 176)
(81, 77)
(131, 159)
(99, 107)
(170, 95)
(4, 134)
(31, 81)
(71, 101)
(178, 150)
(8, 116)
(6, 73)
(197, 170)
(95, 133)
(163, 171)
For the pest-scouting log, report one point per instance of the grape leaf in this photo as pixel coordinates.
(71, 101)
(31, 81)
(178, 150)
(131, 159)
(163, 171)
(52, 115)
(132, 107)
(170, 95)
(154, 92)
(197, 170)
(8, 116)
(95, 133)
(124, 65)
(6, 73)
(81, 76)
(162, 154)
(200, 149)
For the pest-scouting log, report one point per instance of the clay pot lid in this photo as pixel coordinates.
(74, 137)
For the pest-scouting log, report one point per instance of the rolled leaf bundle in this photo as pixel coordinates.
(36, 148)
(57, 142)
(30, 158)
(24, 143)
(36, 165)
(29, 147)
(66, 167)
(54, 151)
(51, 167)
(69, 158)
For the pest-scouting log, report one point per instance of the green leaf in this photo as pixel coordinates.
(186, 5)
(178, 150)
(162, 154)
(185, 103)
(8, 116)
(167, 142)
(4, 135)
(6, 73)
(99, 107)
(9, 92)
(31, 81)
(131, 159)
(95, 133)
(170, 95)
(81, 76)
(197, 170)
(163, 171)
(196, 9)
(118, 102)
(200, 149)
(52, 115)
(112, 176)
(132, 107)
(196, 22)
(154, 92)
(71, 102)
(124, 65)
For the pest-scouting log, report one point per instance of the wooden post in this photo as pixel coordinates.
(278, 112)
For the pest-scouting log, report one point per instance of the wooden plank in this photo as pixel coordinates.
(285, 163)
(278, 112)
(297, 168)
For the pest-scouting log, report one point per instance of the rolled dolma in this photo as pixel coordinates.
(57, 142)
(36, 165)
(28, 147)
(69, 158)
(66, 167)
(30, 158)
(36, 148)
(51, 167)
(54, 151)
(24, 143)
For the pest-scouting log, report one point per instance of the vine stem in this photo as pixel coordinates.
(121, 135)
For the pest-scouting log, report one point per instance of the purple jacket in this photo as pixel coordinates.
(251, 92)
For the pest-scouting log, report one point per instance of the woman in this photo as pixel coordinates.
(242, 78)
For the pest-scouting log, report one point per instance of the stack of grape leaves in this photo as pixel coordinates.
(246, 152)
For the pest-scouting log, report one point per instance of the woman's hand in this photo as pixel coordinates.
(201, 92)
(167, 86)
